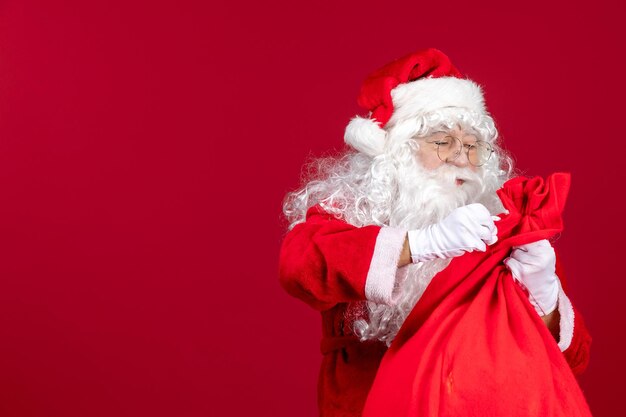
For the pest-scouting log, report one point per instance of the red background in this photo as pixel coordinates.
(145, 148)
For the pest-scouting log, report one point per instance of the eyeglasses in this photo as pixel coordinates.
(449, 148)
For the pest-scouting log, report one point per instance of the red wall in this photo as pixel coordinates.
(145, 150)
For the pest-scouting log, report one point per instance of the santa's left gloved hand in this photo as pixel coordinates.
(534, 265)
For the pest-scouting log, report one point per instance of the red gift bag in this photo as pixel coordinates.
(473, 345)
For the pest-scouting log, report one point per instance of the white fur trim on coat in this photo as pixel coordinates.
(381, 277)
(566, 323)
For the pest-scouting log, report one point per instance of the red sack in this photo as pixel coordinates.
(473, 345)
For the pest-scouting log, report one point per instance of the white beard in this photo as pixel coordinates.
(424, 198)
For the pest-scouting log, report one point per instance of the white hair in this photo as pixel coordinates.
(393, 189)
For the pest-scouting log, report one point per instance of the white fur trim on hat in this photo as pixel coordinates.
(429, 94)
(365, 136)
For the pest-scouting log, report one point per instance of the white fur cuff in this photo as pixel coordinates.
(381, 277)
(566, 323)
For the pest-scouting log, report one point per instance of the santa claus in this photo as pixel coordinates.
(369, 229)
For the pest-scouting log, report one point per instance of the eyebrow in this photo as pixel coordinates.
(472, 134)
(445, 131)
(476, 136)
(467, 133)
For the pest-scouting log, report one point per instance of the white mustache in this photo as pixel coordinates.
(448, 174)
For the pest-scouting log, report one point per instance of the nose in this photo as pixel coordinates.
(460, 161)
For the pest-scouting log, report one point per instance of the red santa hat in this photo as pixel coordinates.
(405, 88)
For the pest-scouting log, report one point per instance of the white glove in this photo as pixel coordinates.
(534, 266)
(466, 229)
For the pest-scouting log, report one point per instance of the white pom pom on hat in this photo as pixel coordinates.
(407, 87)
(365, 136)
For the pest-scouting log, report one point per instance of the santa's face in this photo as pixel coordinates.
(430, 159)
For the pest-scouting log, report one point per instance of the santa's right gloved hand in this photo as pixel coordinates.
(466, 229)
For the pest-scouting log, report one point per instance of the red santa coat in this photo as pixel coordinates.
(329, 264)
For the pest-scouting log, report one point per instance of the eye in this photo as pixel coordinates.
(444, 141)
